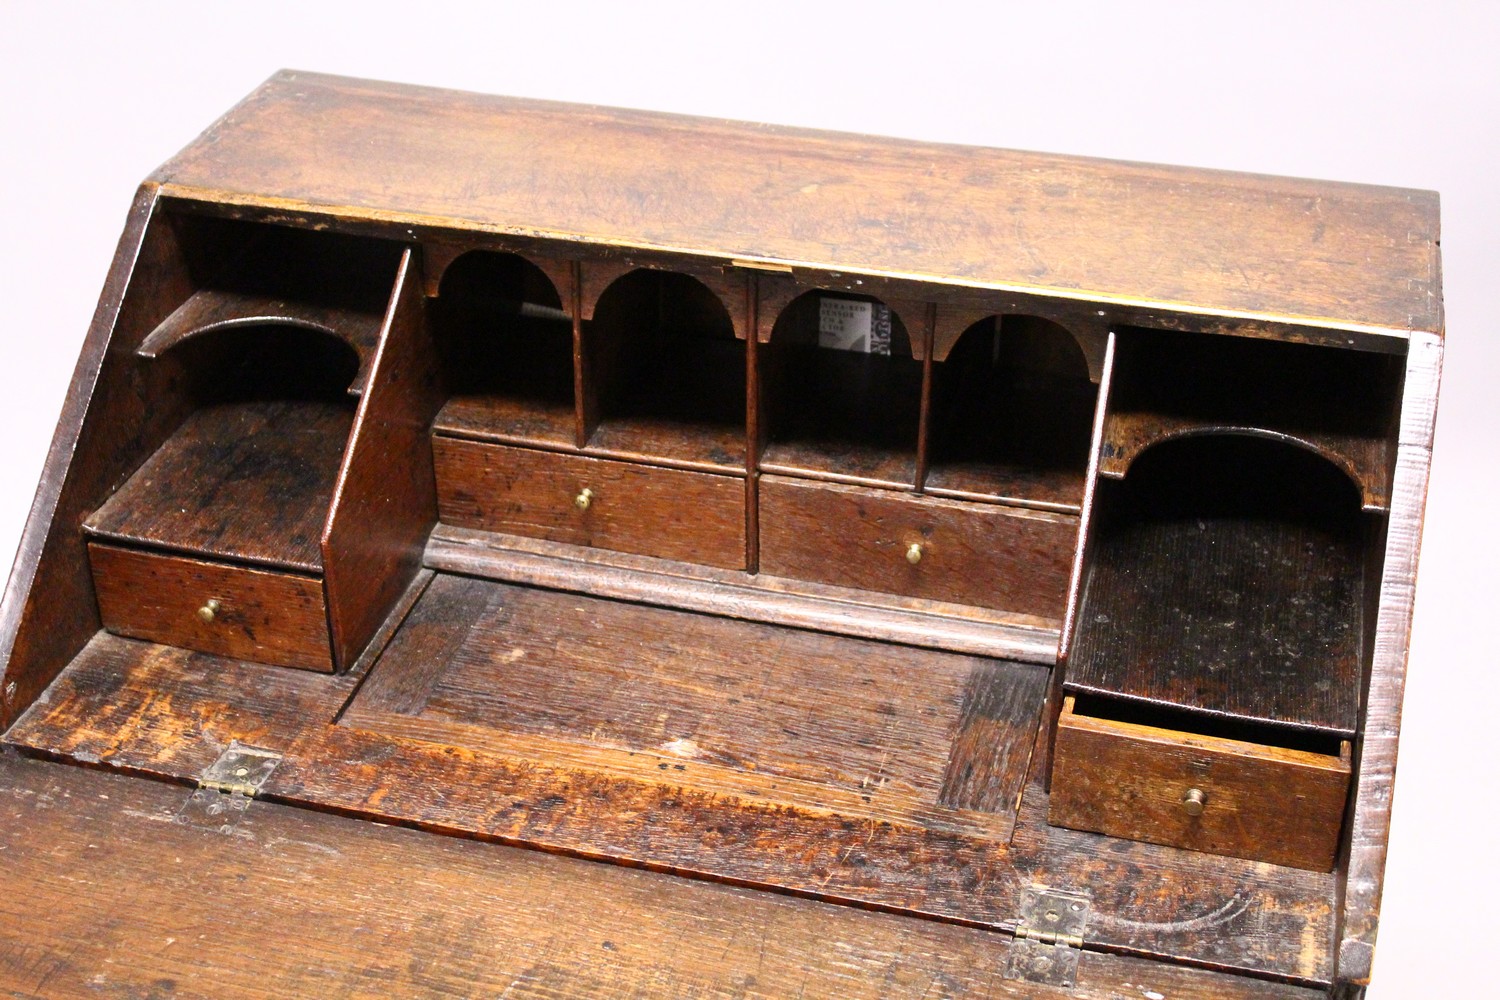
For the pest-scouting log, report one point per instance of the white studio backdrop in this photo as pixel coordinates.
(95, 96)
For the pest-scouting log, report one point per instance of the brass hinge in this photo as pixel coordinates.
(227, 786)
(1049, 937)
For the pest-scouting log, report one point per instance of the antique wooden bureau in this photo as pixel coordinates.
(919, 570)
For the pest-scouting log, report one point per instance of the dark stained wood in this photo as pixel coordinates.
(980, 554)
(668, 371)
(161, 711)
(667, 513)
(1226, 577)
(1261, 802)
(117, 412)
(838, 415)
(267, 617)
(752, 597)
(211, 309)
(504, 333)
(1083, 228)
(1012, 410)
(507, 419)
(372, 911)
(1339, 404)
(386, 500)
(849, 725)
(243, 481)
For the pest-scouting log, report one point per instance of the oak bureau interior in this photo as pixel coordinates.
(920, 528)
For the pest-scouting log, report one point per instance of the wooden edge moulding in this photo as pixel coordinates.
(940, 535)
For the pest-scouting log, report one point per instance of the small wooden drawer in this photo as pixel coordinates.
(1206, 793)
(235, 611)
(622, 506)
(985, 555)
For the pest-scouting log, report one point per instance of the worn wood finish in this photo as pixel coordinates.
(212, 309)
(1260, 802)
(1336, 403)
(667, 369)
(502, 326)
(245, 481)
(666, 706)
(753, 597)
(386, 499)
(1371, 815)
(116, 411)
(164, 711)
(372, 911)
(861, 728)
(1135, 233)
(661, 512)
(268, 617)
(1230, 582)
(983, 555)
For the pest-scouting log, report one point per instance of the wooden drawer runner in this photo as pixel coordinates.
(259, 615)
(984, 555)
(669, 513)
(1205, 793)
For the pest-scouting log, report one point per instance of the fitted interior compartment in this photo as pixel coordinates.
(1340, 404)
(249, 473)
(1226, 576)
(1012, 408)
(244, 274)
(665, 374)
(507, 351)
(850, 412)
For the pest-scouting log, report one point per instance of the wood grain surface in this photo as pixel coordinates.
(268, 617)
(1230, 580)
(247, 481)
(370, 911)
(981, 554)
(156, 710)
(1193, 240)
(668, 513)
(385, 502)
(716, 705)
(1260, 802)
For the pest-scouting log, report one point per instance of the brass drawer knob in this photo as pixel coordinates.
(914, 553)
(1194, 802)
(583, 499)
(209, 611)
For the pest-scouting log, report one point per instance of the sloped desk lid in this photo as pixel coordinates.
(1346, 256)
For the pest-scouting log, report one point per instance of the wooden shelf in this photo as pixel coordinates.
(249, 482)
(1340, 404)
(685, 406)
(506, 419)
(1230, 583)
(842, 416)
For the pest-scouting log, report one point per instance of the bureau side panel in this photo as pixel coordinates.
(116, 413)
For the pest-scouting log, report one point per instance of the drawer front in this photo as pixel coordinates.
(983, 555)
(259, 615)
(1203, 793)
(688, 516)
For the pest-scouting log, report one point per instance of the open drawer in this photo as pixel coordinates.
(1207, 793)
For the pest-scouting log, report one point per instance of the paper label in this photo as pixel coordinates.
(847, 325)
